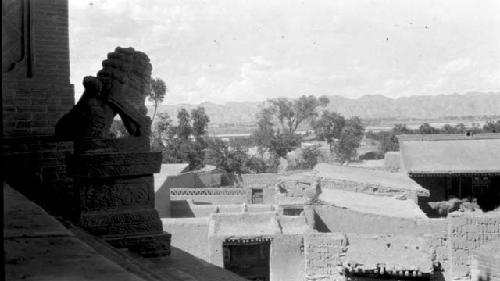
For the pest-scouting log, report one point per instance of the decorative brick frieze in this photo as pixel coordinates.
(114, 164)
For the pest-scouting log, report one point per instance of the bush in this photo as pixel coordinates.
(309, 157)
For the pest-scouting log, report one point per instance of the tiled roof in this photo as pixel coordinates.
(470, 155)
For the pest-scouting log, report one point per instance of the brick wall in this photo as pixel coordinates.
(36, 93)
(37, 167)
(32, 108)
(466, 233)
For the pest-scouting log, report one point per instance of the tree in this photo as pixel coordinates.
(180, 145)
(231, 161)
(426, 128)
(492, 127)
(200, 122)
(291, 114)
(349, 141)
(448, 129)
(256, 165)
(157, 94)
(310, 157)
(162, 131)
(118, 129)
(184, 124)
(280, 138)
(329, 127)
(281, 144)
(460, 128)
(265, 131)
(400, 129)
(388, 142)
(164, 126)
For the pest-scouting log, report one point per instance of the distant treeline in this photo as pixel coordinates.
(389, 141)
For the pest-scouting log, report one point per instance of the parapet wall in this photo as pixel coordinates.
(222, 195)
(466, 233)
(212, 195)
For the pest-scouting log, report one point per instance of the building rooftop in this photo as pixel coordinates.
(444, 154)
(372, 204)
(377, 178)
(240, 225)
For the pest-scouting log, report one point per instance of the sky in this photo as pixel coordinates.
(238, 50)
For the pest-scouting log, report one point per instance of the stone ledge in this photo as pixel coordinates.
(38, 247)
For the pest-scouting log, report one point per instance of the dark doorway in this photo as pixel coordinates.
(249, 259)
(292, 211)
(257, 196)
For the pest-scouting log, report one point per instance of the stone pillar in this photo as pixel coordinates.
(114, 180)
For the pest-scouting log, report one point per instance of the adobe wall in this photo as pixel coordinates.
(392, 161)
(467, 232)
(287, 258)
(323, 256)
(328, 218)
(189, 234)
(485, 263)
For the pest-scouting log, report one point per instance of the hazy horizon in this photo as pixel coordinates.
(224, 51)
(333, 95)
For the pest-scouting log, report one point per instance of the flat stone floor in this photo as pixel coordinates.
(188, 268)
(39, 247)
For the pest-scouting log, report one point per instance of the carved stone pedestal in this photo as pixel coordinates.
(114, 179)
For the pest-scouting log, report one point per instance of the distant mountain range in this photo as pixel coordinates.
(367, 107)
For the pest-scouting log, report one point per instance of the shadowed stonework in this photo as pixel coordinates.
(114, 177)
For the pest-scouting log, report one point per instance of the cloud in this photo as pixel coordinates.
(237, 50)
(456, 65)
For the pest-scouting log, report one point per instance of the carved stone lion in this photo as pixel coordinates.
(120, 87)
